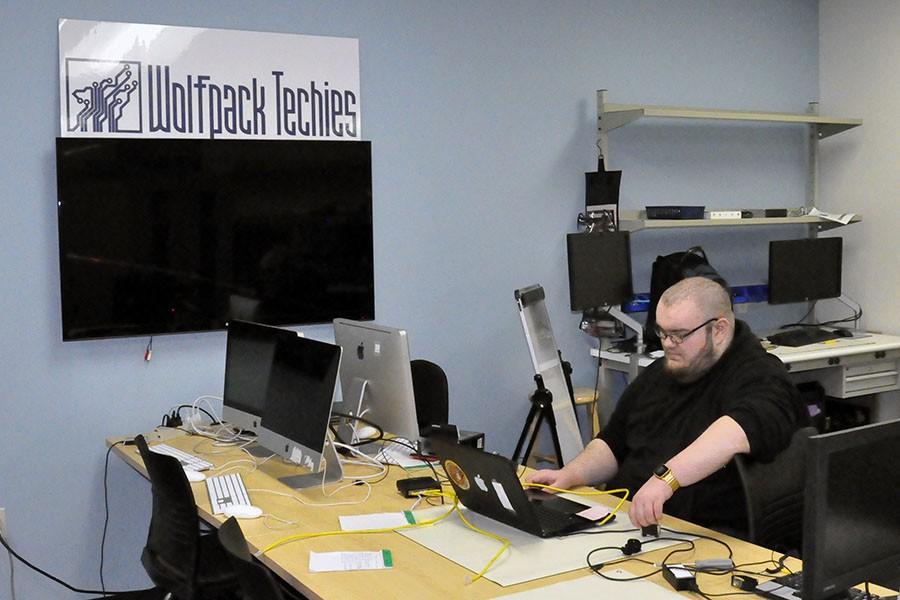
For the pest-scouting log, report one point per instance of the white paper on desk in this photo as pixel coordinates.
(394, 455)
(842, 218)
(320, 562)
(390, 520)
(594, 586)
(528, 557)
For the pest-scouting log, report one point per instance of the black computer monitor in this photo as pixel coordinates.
(804, 270)
(250, 350)
(851, 531)
(599, 269)
(302, 388)
(376, 377)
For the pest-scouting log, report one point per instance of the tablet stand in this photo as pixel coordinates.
(541, 410)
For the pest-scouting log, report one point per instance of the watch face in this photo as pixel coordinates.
(661, 470)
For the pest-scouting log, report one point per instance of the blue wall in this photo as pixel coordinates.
(482, 118)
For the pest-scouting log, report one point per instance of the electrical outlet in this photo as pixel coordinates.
(3, 523)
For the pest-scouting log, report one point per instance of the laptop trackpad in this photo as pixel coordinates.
(554, 501)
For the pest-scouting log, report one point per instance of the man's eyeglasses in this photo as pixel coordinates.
(677, 338)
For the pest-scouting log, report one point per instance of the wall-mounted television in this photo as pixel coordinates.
(173, 235)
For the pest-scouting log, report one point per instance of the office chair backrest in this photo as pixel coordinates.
(774, 494)
(432, 393)
(170, 556)
(255, 580)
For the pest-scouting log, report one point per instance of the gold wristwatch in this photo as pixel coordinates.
(665, 473)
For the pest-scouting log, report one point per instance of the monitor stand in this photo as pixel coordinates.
(258, 451)
(329, 471)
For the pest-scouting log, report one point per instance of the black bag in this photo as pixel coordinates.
(669, 270)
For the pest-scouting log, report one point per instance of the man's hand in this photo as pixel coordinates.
(595, 463)
(557, 478)
(647, 504)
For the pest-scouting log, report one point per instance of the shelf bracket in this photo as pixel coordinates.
(613, 120)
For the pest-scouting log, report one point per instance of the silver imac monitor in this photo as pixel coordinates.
(302, 387)
(376, 378)
(250, 349)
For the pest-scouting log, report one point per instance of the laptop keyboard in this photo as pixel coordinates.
(226, 490)
(188, 461)
(551, 520)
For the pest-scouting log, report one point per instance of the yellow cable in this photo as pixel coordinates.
(605, 519)
(439, 493)
(499, 538)
(306, 536)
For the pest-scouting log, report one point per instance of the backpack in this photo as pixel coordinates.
(668, 270)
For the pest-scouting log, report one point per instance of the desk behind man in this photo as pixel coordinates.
(717, 393)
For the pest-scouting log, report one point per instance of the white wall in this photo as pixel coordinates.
(859, 61)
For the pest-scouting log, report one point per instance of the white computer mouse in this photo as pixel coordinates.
(194, 476)
(243, 511)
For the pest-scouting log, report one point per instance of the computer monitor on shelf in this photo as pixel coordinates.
(851, 531)
(249, 351)
(302, 388)
(376, 378)
(599, 269)
(804, 270)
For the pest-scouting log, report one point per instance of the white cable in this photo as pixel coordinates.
(369, 461)
(221, 431)
(228, 446)
(287, 522)
(316, 504)
(354, 439)
(385, 458)
(231, 465)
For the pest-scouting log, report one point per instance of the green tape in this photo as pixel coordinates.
(410, 517)
(388, 559)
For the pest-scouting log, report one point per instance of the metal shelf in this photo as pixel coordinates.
(635, 221)
(614, 116)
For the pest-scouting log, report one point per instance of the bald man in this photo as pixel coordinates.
(673, 433)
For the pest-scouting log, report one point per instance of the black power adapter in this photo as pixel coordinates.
(650, 531)
(679, 578)
(415, 485)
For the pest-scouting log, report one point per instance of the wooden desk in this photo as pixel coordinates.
(417, 570)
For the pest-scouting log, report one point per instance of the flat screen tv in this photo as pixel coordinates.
(165, 236)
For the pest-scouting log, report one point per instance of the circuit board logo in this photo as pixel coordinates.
(103, 96)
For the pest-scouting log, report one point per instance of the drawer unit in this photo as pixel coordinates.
(852, 380)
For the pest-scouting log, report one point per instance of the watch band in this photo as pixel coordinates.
(665, 473)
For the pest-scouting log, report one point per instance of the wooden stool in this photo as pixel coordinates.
(587, 397)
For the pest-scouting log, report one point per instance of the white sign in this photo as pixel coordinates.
(135, 80)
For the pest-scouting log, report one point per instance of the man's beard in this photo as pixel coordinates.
(701, 364)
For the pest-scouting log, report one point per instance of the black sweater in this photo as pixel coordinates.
(657, 417)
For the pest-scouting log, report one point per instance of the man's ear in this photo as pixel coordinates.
(720, 327)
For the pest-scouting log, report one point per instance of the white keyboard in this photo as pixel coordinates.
(188, 461)
(226, 490)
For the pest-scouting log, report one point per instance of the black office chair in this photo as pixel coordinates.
(177, 558)
(432, 394)
(774, 494)
(255, 580)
